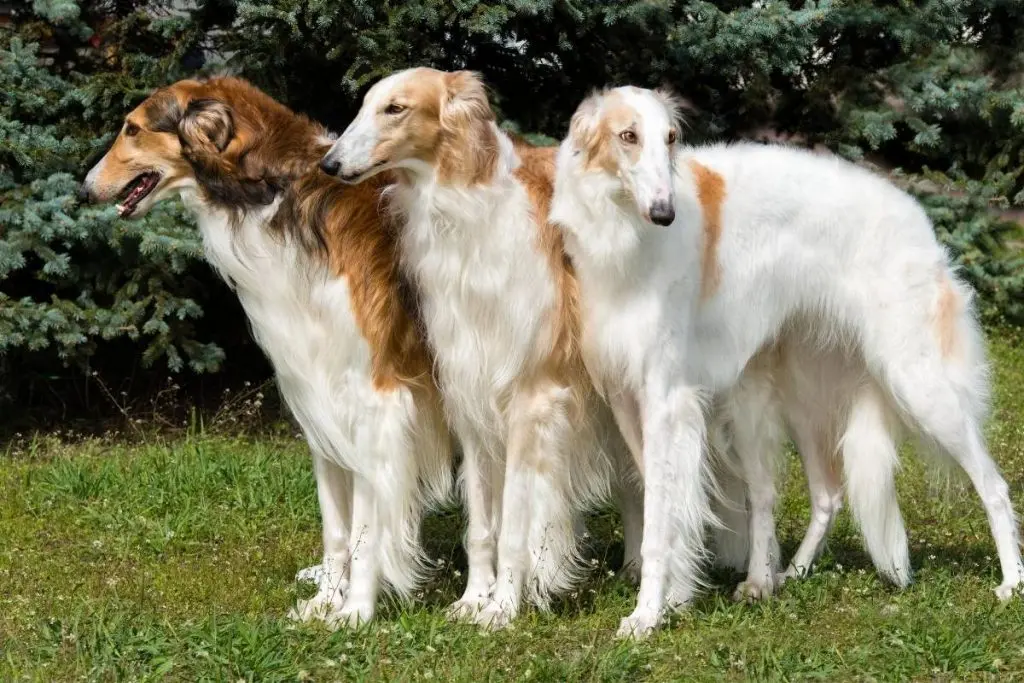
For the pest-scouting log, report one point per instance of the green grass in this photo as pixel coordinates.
(175, 560)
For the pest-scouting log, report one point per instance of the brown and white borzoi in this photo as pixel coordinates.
(499, 305)
(314, 265)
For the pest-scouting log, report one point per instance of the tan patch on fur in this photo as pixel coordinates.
(536, 173)
(273, 149)
(944, 319)
(598, 139)
(468, 149)
(449, 125)
(711, 195)
(416, 135)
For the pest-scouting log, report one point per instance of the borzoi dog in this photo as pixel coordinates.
(690, 261)
(499, 304)
(314, 267)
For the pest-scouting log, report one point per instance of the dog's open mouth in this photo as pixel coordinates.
(136, 191)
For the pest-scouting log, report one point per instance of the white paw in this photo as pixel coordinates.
(466, 608)
(494, 617)
(754, 591)
(640, 624)
(320, 607)
(792, 572)
(351, 616)
(310, 574)
(1007, 591)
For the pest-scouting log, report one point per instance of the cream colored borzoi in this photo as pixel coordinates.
(498, 303)
(691, 261)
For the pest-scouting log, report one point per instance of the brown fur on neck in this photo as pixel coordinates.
(536, 172)
(273, 152)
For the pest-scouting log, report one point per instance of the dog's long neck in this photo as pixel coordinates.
(601, 231)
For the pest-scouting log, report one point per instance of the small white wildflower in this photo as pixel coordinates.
(457, 573)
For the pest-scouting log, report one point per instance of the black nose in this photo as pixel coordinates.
(329, 166)
(662, 213)
(84, 194)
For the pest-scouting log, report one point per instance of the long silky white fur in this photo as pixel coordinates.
(302, 318)
(487, 296)
(809, 242)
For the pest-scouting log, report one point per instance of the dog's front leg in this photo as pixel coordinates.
(675, 501)
(482, 484)
(538, 515)
(630, 492)
(364, 583)
(334, 492)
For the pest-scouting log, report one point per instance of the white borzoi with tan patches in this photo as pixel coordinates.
(679, 290)
(316, 272)
(499, 305)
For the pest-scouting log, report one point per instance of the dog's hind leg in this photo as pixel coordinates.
(940, 392)
(757, 438)
(824, 487)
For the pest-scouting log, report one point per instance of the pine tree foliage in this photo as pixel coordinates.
(74, 276)
(931, 91)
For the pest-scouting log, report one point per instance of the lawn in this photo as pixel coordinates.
(174, 558)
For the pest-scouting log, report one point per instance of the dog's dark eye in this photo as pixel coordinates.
(672, 137)
(130, 129)
(393, 109)
(628, 136)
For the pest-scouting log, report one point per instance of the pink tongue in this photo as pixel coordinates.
(135, 194)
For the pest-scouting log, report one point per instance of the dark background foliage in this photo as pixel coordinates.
(932, 92)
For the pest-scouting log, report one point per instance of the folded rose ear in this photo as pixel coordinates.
(676, 105)
(464, 100)
(207, 125)
(585, 126)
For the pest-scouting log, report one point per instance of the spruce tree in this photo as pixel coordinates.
(931, 92)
